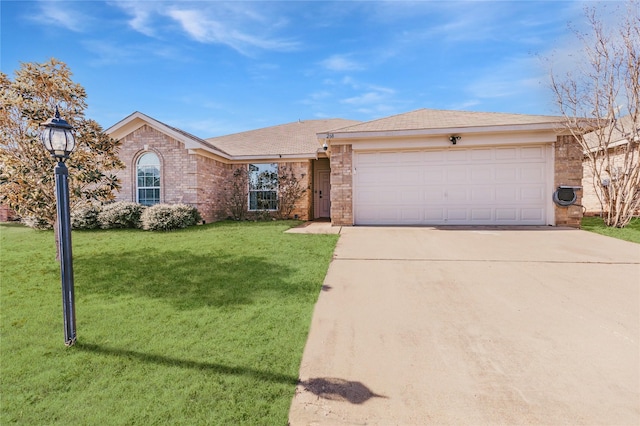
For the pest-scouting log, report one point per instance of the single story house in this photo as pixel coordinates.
(425, 167)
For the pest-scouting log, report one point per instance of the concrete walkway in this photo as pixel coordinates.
(474, 326)
(319, 227)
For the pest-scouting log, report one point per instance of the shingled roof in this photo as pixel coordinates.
(297, 138)
(616, 133)
(425, 119)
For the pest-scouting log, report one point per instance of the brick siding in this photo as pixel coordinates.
(191, 179)
(184, 178)
(568, 172)
(303, 172)
(341, 185)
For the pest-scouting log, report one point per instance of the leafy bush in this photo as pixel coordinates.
(121, 214)
(165, 217)
(36, 223)
(86, 217)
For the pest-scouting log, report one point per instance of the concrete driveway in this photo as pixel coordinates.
(474, 326)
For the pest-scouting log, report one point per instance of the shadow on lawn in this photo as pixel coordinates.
(185, 279)
(196, 365)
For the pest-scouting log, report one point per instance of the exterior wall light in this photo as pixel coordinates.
(454, 139)
(57, 137)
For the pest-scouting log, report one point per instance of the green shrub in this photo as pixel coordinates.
(86, 217)
(165, 217)
(121, 214)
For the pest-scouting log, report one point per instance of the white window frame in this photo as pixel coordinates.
(257, 186)
(157, 179)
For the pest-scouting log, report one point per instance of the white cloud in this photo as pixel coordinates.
(207, 29)
(340, 63)
(367, 98)
(51, 13)
(242, 26)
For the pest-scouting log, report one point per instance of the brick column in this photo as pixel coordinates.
(568, 172)
(341, 161)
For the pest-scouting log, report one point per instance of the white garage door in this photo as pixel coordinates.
(488, 186)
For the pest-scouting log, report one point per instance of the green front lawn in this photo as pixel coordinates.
(631, 232)
(201, 326)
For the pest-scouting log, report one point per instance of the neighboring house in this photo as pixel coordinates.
(616, 139)
(426, 167)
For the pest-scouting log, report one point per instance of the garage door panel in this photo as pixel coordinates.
(483, 194)
(409, 176)
(409, 158)
(457, 194)
(532, 153)
(367, 197)
(532, 214)
(457, 214)
(411, 215)
(433, 175)
(532, 194)
(456, 174)
(505, 185)
(484, 174)
(434, 195)
(365, 159)
(532, 173)
(506, 173)
(411, 197)
(387, 196)
(484, 155)
(507, 214)
(434, 215)
(485, 215)
(506, 153)
(506, 194)
(390, 215)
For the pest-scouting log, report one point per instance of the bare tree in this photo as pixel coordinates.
(236, 193)
(600, 99)
(290, 191)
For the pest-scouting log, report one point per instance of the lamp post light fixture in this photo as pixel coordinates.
(57, 137)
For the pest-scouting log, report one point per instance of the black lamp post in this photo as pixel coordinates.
(57, 137)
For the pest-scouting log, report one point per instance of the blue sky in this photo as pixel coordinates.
(213, 68)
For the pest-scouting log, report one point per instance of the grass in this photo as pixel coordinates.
(631, 232)
(201, 326)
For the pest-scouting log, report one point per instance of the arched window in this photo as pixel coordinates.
(148, 172)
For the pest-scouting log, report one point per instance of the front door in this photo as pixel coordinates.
(324, 193)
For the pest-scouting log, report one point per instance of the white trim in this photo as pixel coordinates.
(137, 165)
(551, 185)
(249, 191)
(332, 136)
(136, 120)
(472, 140)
